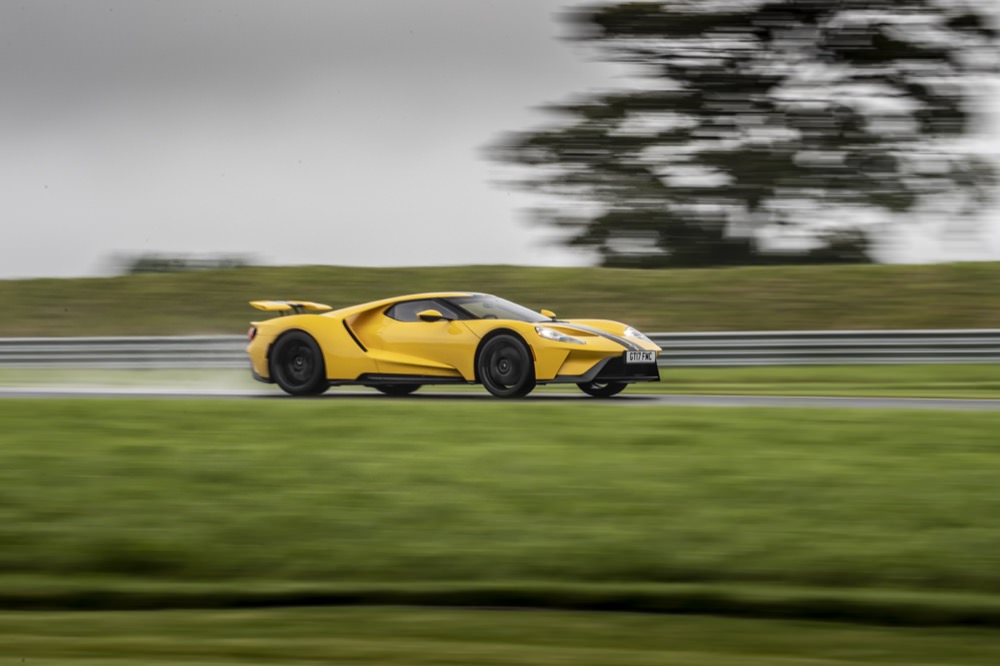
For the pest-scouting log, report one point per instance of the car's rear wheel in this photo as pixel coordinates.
(602, 389)
(397, 390)
(505, 367)
(297, 364)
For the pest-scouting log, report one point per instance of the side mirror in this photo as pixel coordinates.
(430, 315)
(548, 313)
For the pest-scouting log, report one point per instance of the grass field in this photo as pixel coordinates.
(905, 381)
(277, 498)
(412, 637)
(910, 381)
(766, 298)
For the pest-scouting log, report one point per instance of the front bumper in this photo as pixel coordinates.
(614, 369)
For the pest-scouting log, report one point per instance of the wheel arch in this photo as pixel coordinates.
(296, 364)
(489, 336)
(285, 333)
(274, 342)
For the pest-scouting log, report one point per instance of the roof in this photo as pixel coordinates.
(351, 309)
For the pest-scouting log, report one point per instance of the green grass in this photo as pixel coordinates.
(237, 379)
(531, 499)
(767, 298)
(916, 381)
(411, 637)
(904, 381)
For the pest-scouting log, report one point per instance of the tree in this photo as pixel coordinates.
(163, 263)
(765, 131)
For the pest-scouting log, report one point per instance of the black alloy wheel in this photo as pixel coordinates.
(297, 364)
(602, 389)
(505, 367)
(397, 390)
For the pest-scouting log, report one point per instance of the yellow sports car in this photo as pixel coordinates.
(398, 344)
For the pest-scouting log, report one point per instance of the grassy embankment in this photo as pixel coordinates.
(882, 516)
(420, 637)
(817, 297)
(771, 298)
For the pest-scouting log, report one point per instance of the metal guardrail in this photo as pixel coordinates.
(679, 349)
(828, 348)
(207, 351)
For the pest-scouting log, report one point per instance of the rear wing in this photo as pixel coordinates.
(295, 307)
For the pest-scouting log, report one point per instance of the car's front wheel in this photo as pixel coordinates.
(505, 367)
(397, 390)
(297, 364)
(602, 389)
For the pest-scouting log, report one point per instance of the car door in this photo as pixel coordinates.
(409, 345)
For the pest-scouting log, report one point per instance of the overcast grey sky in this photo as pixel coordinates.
(345, 132)
(332, 132)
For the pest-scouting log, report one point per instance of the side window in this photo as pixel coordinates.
(408, 311)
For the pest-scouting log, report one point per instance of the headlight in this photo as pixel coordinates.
(634, 333)
(556, 336)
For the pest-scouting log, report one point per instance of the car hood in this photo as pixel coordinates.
(603, 328)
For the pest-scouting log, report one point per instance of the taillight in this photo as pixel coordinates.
(252, 333)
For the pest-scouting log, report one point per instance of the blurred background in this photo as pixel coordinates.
(449, 132)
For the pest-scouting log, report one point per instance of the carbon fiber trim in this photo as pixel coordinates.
(353, 336)
(259, 378)
(614, 369)
(372, 378)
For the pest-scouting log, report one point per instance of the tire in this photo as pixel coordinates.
(602, 389)
(505, 368)
(297, 364)
(397, 390)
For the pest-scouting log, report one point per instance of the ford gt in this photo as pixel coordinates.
(397, 345)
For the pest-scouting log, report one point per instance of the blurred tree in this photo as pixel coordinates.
(160, 263)
(766, 131)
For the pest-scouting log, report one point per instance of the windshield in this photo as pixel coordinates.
(490, 307)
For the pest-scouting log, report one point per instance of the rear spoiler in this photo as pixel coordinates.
(296, 307)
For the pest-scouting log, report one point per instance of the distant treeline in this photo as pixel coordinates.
(162, 263)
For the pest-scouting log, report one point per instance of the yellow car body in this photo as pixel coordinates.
(398, 344)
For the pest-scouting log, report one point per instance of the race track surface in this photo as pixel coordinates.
(431, 396)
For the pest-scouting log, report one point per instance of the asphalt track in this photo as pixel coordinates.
(797, 402)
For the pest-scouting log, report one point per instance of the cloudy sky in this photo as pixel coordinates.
(347, 132)
(306, 131)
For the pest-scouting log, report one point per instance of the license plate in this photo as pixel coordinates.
(640, 357)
